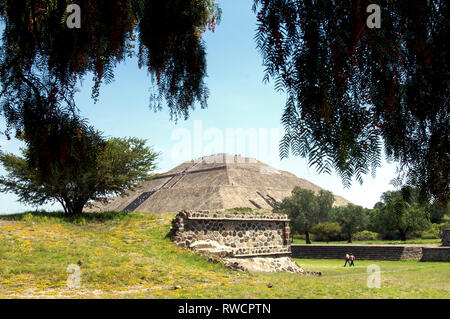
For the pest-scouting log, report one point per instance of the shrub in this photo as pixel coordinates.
(326, 231)
(367, 235)
(28, 217)
(432, 232)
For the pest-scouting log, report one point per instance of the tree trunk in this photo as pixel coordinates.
(61, 201)
(307, 237)
(75, 207)
(403, 235)
(78, 207)
(349, 238)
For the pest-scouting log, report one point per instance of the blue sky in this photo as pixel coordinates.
(239, 103)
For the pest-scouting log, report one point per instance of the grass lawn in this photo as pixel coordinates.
(129, 256)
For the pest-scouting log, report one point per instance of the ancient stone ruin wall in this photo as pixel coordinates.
(235, 234)
(372, 252)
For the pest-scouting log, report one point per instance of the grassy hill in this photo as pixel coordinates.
(129, 256)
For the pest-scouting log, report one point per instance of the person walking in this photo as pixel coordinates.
(352, 259)
(347, 259)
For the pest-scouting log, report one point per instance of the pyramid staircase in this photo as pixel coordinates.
(270, 201)
(255, 204)
(138, 201)
(167, 185)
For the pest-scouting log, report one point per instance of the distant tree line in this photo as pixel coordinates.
(398, 215)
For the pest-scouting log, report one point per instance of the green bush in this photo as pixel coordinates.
(367, 235)
(433, 232)
(429, 234)
(326, 231)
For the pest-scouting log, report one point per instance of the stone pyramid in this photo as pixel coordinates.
(215, 182)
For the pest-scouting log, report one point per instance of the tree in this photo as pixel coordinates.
(398, 215)
(303, 209)
(378, 205)
(411, 195)
(42, 60)
(351, 218)
(352, 90)
(407, 193)
(325, 200)
(95, 169)
(437, 213)
(326, 230)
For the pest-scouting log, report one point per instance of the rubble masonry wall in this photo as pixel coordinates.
(244, 234)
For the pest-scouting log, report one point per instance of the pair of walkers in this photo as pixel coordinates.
(349, 259)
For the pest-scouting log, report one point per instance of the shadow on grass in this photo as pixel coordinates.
(83, 218)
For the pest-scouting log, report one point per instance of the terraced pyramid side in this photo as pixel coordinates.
(214, 182)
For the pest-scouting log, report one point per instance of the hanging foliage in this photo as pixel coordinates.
(39, 47)
(353, 90)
